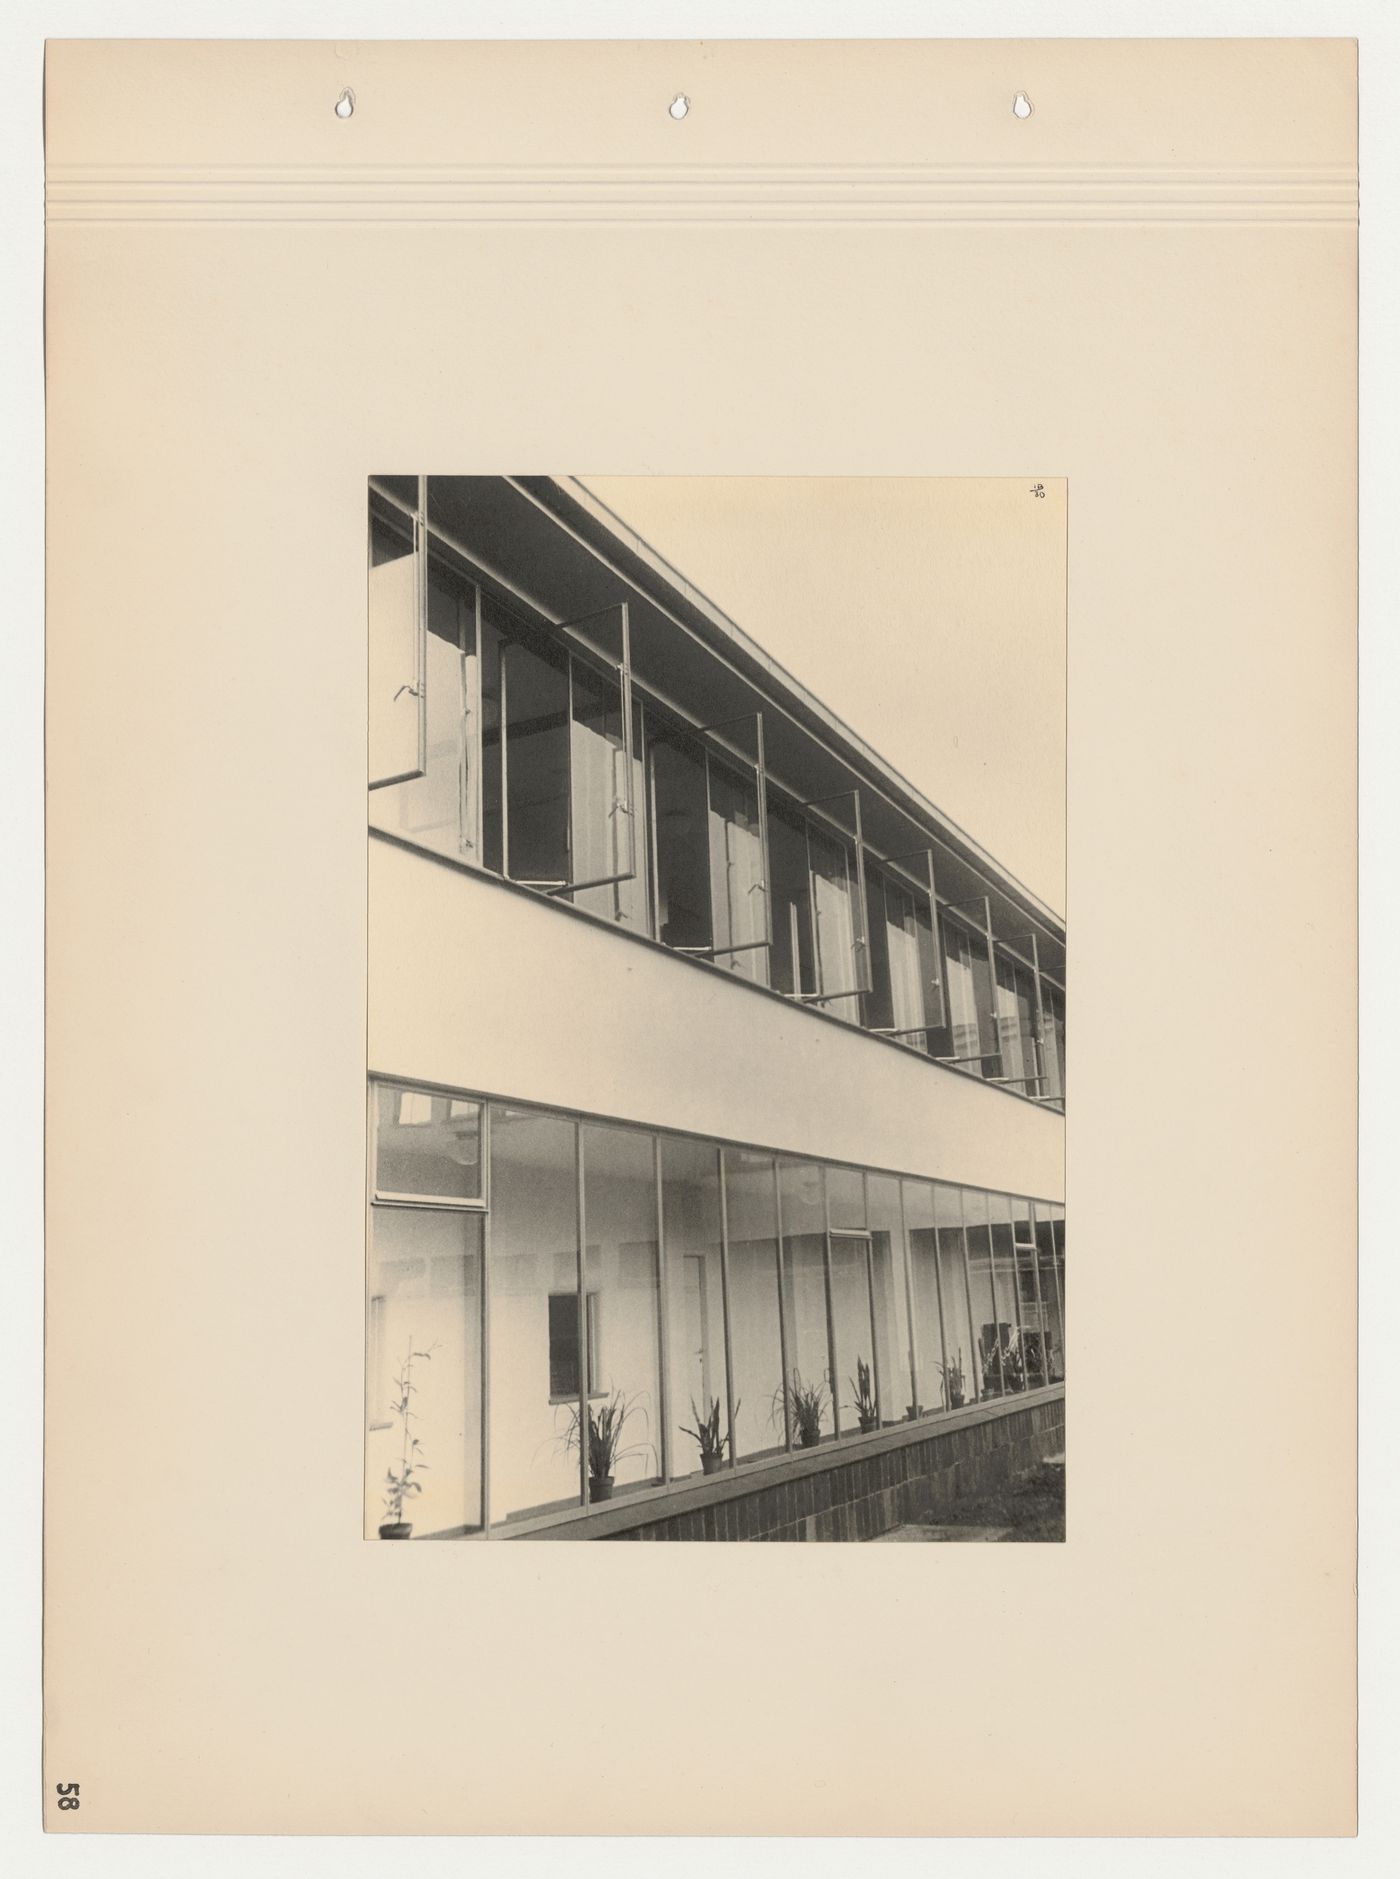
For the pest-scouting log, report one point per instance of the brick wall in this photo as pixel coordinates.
(857, 1499)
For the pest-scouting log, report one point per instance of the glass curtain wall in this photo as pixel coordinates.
(889, 1298)
(960, 1379)
(1008, 1302)
(808, 1328)
(697, 1355)
(621, 1275)
(535, 1332)
(1034, 1319)
(655, 1292)
(988, 1329)
(756, 1332)
(856, 1381)
(424, 1313)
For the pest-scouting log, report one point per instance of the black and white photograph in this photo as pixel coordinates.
(716, 1072)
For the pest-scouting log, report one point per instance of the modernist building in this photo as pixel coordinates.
(716, 1079)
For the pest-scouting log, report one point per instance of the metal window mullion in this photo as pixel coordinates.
(764, 860)
(1059, 1294)
(978, 1387)
(663, 1311)
(907, 1259)
(372, 1154)
(830, 1313)
(938, 1294)
(420, 602)
(782, 1309)
(649, 764)
(724, 1304)
(940, 1014)
(1041, 1079)
(628, 742)
(503, 647)
(484, 1365)
(1039, 1300)
(865, 981)
(818, 990)
(996, 1303)
(709, 850)
(870, 1296)
(1016, 1283)
(580, 1228)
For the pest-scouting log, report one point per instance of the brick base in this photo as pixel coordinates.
(860, 1498)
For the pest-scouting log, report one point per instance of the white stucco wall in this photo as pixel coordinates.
(484, 988)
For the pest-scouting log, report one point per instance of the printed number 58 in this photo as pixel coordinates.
(68, 1795)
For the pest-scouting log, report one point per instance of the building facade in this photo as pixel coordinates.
(716, 1078)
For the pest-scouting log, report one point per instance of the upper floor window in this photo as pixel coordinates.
(526, 747)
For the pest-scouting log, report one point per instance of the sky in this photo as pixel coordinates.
(927, 613)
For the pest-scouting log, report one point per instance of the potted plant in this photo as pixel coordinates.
(606, 1424)
(806, 1403)
(1013, 1368)
(402, 1483)
(864, 1404)
(708, 1434)
(954, 1383)
(991, 1371)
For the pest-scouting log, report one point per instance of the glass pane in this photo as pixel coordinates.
(845, 1198)
(809, 1379)
(393, 626)
(891, 1303)
(493, 618)
(987, 1369)
(1054, 1005)
(959, 1379)
(918, 1212)
(903, 965)
(1049, 1293)
(736, 872)
(534, 1237)
(439, 808)
(833, 899)
(792, 968)
(423, 1371)
(1034, 1322)
(682, 846)
(1013, 1369)
(537, 766)
(969, 998)
(1057, 1216)
(427, 1144)
(603, 810)
(699, 1433)
(751, 1207)
(621, 1273)
(1016, 1025)
(854, 1336)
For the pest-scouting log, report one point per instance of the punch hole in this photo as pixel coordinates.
(345, 103)
(678, 106)
(1021, 105)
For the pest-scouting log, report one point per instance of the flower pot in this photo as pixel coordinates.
(867, 1424)
(955, 1399)
(600, 1487)
(396, 1529)
(809, 1438)
(711, 1464)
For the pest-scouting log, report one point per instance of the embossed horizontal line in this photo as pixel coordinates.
(694, 193)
